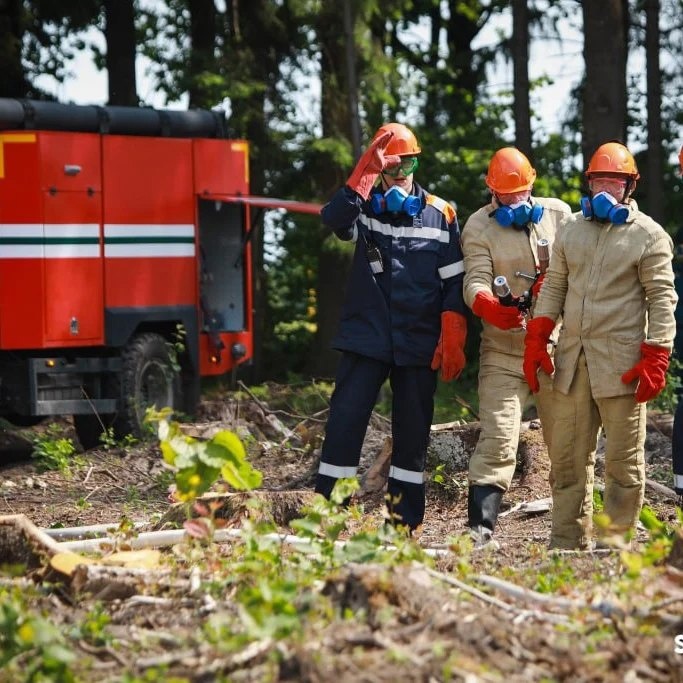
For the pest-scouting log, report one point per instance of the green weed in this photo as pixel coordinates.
(52, 452)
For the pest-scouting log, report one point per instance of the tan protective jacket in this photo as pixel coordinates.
(614, 286)
(491, 250)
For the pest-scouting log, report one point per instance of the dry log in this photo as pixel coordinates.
(119, 583)
(279, 507)
(375, 478)
(675, 558)
(660, 490)
(452, 444)
(357, 587)
(21, 542)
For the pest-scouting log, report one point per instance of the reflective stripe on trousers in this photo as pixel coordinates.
(357, 385)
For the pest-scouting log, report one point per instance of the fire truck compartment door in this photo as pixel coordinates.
(222, 275)
(74, 290)
(70, 162)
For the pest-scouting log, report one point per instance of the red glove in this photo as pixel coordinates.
(449, 354)
(488, 307)
(650, 372)
(536, 287)
(371, 164)
(538, 331)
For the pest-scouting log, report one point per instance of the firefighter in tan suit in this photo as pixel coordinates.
(611, 278)
(501, 239)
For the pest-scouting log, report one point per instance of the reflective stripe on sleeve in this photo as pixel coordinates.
(398, 231)
(678, 481)
(336, 471)
(452, 269)
(408, 476)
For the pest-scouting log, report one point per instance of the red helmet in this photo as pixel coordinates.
(613, 158)
(509, 171)
(404, 142)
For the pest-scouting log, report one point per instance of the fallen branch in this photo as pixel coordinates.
(167, 537)
(555, 618)
(661, 489)
(90, 530)
(265, 408)
(607, 609)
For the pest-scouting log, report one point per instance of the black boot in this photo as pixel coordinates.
(483, 503)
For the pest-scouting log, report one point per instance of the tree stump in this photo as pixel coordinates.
(21, 542)
(675, 558)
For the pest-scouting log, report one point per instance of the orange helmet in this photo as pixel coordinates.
(404, 142)
(614, 158)
(509, 171)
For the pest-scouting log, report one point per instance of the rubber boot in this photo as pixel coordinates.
(483, 503)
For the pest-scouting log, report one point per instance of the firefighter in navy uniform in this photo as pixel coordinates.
(403, 316)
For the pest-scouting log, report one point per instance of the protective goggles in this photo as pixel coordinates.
(607, 183)
(405, 167)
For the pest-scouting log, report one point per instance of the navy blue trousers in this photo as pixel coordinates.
(357, 386)
(677, 447)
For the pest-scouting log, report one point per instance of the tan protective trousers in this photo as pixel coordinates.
(503, 394)
(577, 419)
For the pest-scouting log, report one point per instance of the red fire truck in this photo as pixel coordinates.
(121, 229)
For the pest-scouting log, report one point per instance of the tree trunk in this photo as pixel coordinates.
(604, 51)
(520, 61)
(462, 27)
(119, 32)
(333, 264)
(203, 39)
(655, 163)
(333, 270)
(12, 79)
(352, 80)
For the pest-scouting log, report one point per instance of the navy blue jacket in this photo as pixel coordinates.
(395, 316)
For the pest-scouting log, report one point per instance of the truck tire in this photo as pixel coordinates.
(147, 380)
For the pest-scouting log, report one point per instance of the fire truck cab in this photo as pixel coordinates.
(125, 264)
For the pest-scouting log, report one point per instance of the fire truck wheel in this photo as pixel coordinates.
(148, 380)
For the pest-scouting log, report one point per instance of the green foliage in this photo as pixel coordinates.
(655, 550)
(52, 451)
(450, 483)
(110, 442)
(198, 464)
(555, 577)
(176, 346)
(598, 504)
(667, 400)
(155, 674)
(31, 648)
(93, 628)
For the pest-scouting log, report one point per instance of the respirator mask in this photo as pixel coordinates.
(604, 207)
(518, 214)
(396, 200)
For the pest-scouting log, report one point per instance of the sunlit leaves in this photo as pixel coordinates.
(199, 464)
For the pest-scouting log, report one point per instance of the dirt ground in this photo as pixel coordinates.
(438, 631)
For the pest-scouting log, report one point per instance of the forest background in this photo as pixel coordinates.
(414, 61)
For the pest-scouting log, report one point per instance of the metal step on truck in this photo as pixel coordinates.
(125, 262)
